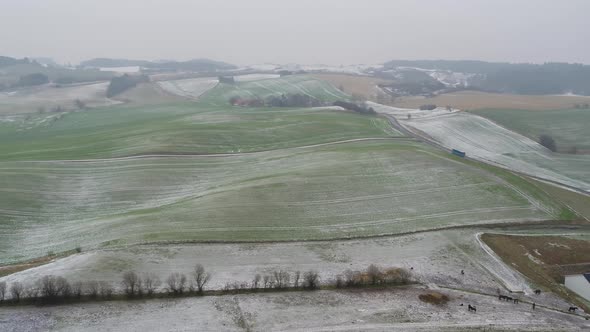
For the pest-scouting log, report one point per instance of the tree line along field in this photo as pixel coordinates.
(569, 127)
(334, 191)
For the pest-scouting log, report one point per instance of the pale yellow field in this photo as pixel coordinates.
(364, 86)
(469, 100)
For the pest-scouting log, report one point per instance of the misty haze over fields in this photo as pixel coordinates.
(307, 31)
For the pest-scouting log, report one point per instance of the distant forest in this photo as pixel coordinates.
(548, 78)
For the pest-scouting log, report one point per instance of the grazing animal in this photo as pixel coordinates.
(462, 272)
(537, 291)
(471, 308)
(572, 309)
(515, 301)
(534, 305)
(508, 298)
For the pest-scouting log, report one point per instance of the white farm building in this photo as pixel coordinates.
(579, 284)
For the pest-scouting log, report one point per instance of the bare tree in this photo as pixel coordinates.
(266, 281)
(52, 287)
(311, 280)
(151, 282)
(256, 281)
(106, 290)
(176, 283)
(30, 292)
(339, 281)
(351, 278)
(2, 290)
(281, 278)
(297, 277)
(77, 289)
(131, 282)
(201, 277)
(80, 104)
(92, 288)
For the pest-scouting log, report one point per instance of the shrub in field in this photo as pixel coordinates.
(548, 142)
(16, 291)
(435, 298)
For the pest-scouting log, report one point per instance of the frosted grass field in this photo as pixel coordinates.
(569, 127)
(191, 88)
(484, 140)
(294, 84)
(179, 128)
(334, 191)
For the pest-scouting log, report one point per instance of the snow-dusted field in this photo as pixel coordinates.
(486, 141)
(436, 258)
(321, 192)
(32, 99)
(391, 310)
(191, 88)
(254, 77)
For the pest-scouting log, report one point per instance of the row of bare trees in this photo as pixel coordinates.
(278, 279)
(177, 283)
(51, 289)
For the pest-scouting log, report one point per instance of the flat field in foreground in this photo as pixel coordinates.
(397, 309)
(335, 191)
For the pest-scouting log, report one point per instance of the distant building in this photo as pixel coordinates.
(579, 284)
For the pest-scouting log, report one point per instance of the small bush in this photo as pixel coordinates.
(435, 298)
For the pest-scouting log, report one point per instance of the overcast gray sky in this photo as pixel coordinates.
(302, 31)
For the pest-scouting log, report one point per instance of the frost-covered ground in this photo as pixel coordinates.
(487, 141)
(46, 97)
(254, 77)
(191, 88)
(436, 258)
(390, 310)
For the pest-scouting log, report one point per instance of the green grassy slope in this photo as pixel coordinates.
(296, 84)
(210, 125)
(569, 127)
(333, 191)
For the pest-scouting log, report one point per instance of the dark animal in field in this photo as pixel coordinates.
(537, 291)
(508, 298)
(572, 309)
(516, 301)
(534, 305)
(471, 308)
(462, 272)
(501, 297)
